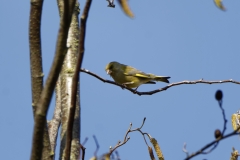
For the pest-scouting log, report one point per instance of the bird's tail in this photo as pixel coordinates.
(162, 78)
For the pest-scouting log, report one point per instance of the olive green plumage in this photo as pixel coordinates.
(131, 77)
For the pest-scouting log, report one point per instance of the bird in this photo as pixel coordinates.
(131, 77)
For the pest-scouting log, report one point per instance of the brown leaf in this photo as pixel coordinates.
(126, 8)
(151, 153)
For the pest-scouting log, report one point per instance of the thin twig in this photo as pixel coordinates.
(126, 137)
(97, 145)
(83, 151)
(210, 144)
(218, 97)
(224, 117)
(81, 147)
(76, 77)
(117, 154)
(221, 137)
(54, 123)
(160, 89)
(85, 141)
(143, 134)
(185, 149)
(224, 127)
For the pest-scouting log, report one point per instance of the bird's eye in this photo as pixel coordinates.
(111, 67)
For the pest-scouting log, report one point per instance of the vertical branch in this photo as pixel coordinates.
(35, 50)
(36, 66)
(76, 77)
(66, 83)
(54, 124)
(46, 94)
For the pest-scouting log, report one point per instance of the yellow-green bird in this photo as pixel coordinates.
(131, 77)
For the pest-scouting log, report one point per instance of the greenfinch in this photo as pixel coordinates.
(131, 77)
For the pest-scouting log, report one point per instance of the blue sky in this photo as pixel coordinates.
(187, 40)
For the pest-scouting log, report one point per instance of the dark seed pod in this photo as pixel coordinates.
(218, 95)
(218, 134)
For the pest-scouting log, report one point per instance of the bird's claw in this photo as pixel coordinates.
(123, 86)
(135, 90)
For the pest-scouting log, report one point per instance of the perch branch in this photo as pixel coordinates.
(160, 89)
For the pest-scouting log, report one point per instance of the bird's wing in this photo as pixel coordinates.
(136, 73)
(150, 82)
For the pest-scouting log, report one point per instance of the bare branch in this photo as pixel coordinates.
(126, 137)
(65, 77)
(85, 141)
(200, 151)
(46, 95)
(75, 79)
(36, 67)
(54, 123)
(83, 151)
(83, 148)
(218, 134)
(117, 154)
(35, 50)
(160, 89)
(97, 145)
(185, 149)
(224, 118)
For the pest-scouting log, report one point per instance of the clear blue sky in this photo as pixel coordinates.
(187, 40)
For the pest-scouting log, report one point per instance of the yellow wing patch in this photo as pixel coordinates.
(141, 75)
(219, 4)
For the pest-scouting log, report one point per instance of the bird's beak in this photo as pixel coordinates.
(108, 71)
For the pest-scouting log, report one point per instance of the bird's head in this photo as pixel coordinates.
(111, 67)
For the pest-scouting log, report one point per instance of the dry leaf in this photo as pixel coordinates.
(126, 8)
(151, 153)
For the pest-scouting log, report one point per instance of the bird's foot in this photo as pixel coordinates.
(123, 86)
(135, 90)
